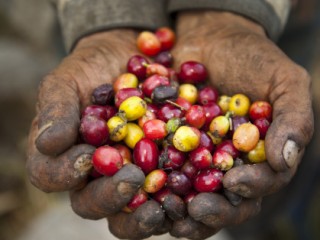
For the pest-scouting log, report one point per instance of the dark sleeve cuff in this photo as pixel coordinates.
(79, 18)
(271, 14)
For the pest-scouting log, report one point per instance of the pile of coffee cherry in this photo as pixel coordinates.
(180, 131)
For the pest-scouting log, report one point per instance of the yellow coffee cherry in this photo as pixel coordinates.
(219, 126)
(133, 108)
(188, 92)
(134, 135)
(239, 104)
(117, 128)
(125, 80)
(223, 103)
(258, 154)
(186, 138)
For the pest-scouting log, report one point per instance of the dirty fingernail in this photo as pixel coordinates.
(44, 128)
(290, 153)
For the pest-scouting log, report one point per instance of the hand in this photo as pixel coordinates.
(56, 163)
(240, 59)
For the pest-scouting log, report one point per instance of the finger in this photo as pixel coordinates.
(140, 224)
(58, 110)
(256, 180)
(107, 195)
(174, 207)
(292, 126)
(191, 229)
(165, 227)
(67, 171)
(216, 212)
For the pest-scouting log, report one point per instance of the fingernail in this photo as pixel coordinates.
(290, 153)
(44, 128)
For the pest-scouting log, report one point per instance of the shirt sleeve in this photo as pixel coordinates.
(271, 14)
(79, 18)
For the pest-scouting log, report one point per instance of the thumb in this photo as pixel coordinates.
(58, 114)
(293, 123)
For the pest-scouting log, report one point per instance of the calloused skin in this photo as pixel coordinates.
(239, 58)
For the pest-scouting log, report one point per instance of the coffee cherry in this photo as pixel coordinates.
(117, 128)
(171, 158)
(189, 170)
(263, 125)
(186, 138)
(125, 93)
(236, 121)
(192, 72)
(94, 130)
(239, 104)
(208, 180)
(158, 69)
(164, 58)
(133, 108)
(103, 94)
(163, 94)
(137, 65)
(155, 180)
(196, 116)
(125, 80)
(168, 111)
(166, 37)
(188, 92)
(205, 141)
(201, 158)
(124, 152)
(107, 160)
(152, 82)
(155, 129)
(134, 135)
(153, 108)
(104, 112)
(258, 154)
(222, 160)
(148, 43)
(246, 137)
(208, 95)
(148, 116)
(183, 103)
(227, 146)
(145, 155)
(161, 195)
(260, 109)
(211, 110)
(219, 126)
(173, 124)
(179, 183)
(223, 103)
(138, 199)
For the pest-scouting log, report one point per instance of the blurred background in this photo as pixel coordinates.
(30, 46)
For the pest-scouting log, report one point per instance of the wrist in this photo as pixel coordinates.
(217, 22)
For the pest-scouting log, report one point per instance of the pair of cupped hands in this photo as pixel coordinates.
(239, 58)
